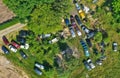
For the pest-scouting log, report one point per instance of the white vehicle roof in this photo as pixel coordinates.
(89, 60)
(114, 43)
(79, 33)
(26, 46)
(86, 30)
(12, 49)
(53, 40)
(92, 65)
(39, 66)
(86, 9)
(77, 6)
(72, 33)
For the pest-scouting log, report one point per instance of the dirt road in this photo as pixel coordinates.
(7, 69)
(11, 29)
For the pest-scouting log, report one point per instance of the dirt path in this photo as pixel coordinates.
(11, 29)
(7, 69)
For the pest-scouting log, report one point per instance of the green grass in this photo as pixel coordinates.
(9, 23)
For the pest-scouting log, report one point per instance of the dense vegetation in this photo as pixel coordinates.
(9, 23)
(42, 14)
(116, 9)
(45, 16)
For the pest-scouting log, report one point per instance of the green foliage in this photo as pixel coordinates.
(21, 8)
(116, 9)
(43, 19)
(9, 23)
(98, 37)
(106, 40)
(116, 6)
(47, 17)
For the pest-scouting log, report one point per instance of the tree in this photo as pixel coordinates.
(23, 8)
(116, 9)
(98, 37)
(43, 19)
(47, 17)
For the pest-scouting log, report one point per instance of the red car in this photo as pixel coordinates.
(15, 44)
(73, 21)
(5, 40)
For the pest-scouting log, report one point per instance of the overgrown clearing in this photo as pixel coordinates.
(40, 50)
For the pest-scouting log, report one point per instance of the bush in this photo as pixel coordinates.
(9, 23)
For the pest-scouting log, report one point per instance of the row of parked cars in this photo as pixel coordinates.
(73, 26)
(86, 43)
(20, 44)
(15, 45)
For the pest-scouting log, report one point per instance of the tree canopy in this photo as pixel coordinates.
(116, 8)
(98, 37)
(47, 17)
(42, 15)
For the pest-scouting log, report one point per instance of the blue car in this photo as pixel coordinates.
(90, 34)
(20, 39)
(23, 54)
(72, 31)
(86, 52)
(67, 22)
(88, 41)
(85, 48)
(5, 50)
(37, 71)
(87, 66)
(78, 20)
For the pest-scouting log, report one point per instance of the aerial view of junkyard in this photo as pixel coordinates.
(59, 38)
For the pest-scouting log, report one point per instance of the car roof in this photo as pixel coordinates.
(37, 70)
(23, 54)
(67, 21)
(6, 51)
(5, 40)
(15, 44)
(23, 32)
(114, 43)
(21, 39)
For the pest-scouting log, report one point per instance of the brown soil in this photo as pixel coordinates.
(5, 13)
(7, 70)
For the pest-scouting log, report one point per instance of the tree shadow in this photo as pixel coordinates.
(47, 65)
(62, 45)
(104, 34)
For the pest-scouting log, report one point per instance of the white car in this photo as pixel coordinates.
(85, 29)
(12, 48)
(72, 32)
(77, 6)
(99, 62)
(115, 46)
(78, 32)
(25, 46)
(53, 41)
(45, 36)
(90, 63)
(38, 65)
